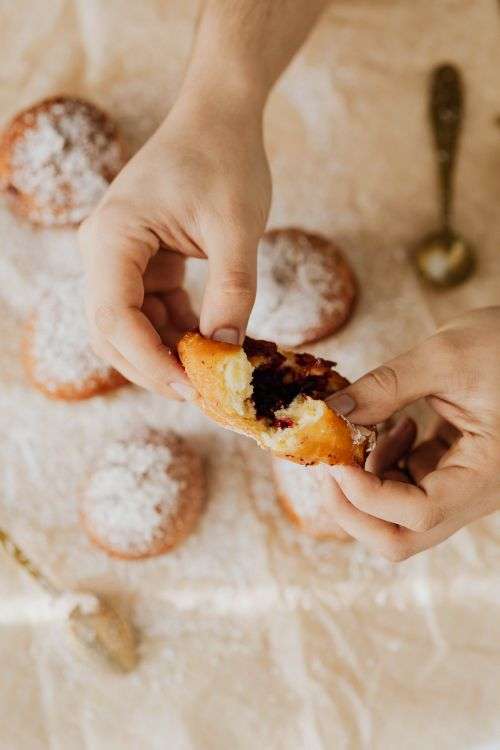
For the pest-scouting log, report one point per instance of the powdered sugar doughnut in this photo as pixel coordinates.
(305, 288)
(302, 496)
(58, 357)
(57, 159)
(144, 496)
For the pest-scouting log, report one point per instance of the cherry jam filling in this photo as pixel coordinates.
(276, 384)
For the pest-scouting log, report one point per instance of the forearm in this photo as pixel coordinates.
(242, 46)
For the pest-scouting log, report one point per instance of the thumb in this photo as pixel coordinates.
(383, 391)
(230, 289)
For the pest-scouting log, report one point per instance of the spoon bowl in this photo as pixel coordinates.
(106, 633)
(444, 259)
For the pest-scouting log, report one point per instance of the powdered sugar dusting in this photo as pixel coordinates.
(60, 349)
(133, 497)
(64, 160)
(299, 289)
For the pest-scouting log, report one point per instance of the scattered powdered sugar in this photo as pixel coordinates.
(64, 160)
(298, 289)
(60, 345)
(184, 691)
(132, 499)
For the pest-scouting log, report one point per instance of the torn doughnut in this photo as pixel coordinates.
(57, 158)
(144, 496)
(303, 499)
(57, 355)
(275, 396)
(306, 289)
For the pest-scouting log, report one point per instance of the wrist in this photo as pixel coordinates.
(225, 70)
(229, 89)
(212, 99)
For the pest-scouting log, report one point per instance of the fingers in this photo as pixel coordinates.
(230, 289)
(116, 259)
(375, 534)
(425, 458)
(392, 446)
(179, 309)
(447, 433)
(393, 542)
(376, 396)
(116, 360)
(155, 310)
(443, 493)
(164, 272)
(396, 502)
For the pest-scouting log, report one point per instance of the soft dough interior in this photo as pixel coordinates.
(282, 390)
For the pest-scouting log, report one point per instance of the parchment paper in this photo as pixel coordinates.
(252, 636)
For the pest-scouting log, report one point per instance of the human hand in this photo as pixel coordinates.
(200, 187)
(455, 474)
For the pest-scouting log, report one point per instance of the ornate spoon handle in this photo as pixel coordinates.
(446, 110)
(16, 553)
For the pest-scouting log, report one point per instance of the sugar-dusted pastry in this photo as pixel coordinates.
(305, 288)
(57, 158)
(276, 397)
(302, 495)
(57, 354)
(144, 496)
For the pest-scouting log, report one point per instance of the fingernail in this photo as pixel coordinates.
(226, 335)
(341, 403)
(184, 391)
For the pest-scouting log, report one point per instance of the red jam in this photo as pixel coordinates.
(276, 384)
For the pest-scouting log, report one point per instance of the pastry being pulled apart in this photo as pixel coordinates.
(275, 396)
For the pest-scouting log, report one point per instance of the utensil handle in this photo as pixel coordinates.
(446, 109)
(16, 553)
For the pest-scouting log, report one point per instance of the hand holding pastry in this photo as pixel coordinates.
(455, 475)
(201, 188)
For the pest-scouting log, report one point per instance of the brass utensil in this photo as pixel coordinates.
(445, 258)
(100, 629)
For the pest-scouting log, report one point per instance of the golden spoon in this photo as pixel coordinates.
(445, 258)
(100, 629)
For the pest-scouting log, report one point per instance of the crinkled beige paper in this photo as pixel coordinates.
(253, 637)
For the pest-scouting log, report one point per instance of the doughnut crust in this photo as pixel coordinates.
(276, 397)
(144, 496)
(302, 498)
(57, 158)
(56, 352)
(306, 289)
